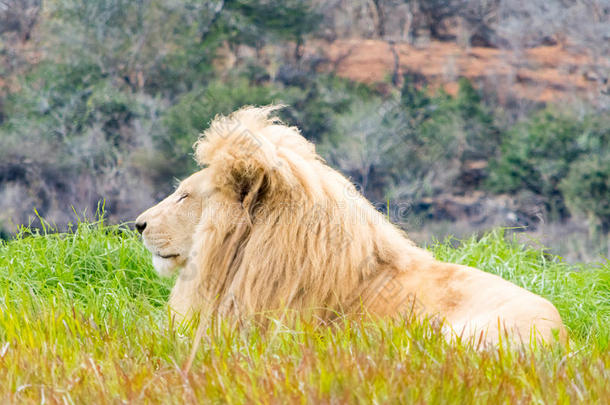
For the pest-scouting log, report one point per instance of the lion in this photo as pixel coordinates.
(266, 225)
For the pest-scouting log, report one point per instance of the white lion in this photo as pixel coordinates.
(267, 225)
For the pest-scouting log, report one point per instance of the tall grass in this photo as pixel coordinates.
(83, 319)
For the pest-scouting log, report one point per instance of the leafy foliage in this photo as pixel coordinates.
(587, 189)
(112, 105)
(411, 146)
(108, 96)
(538, 154)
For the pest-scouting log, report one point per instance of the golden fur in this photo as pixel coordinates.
(267, 225)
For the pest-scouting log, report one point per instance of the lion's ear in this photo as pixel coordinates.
(248, 151)
(248, 186)
(251, 194)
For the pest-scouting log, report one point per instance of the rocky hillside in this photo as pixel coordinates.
(546, 73)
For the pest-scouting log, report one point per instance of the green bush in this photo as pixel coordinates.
(316, 102)
(438, 134)
(466, 123)
(193, 112)
(363, 144)
(409, 146)
(586, 189)
(151, 45)
(69, 141)
(537, 154)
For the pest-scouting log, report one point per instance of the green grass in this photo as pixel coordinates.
(83, 319)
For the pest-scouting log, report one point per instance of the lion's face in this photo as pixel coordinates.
(167, 228)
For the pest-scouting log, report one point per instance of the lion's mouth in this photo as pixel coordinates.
(171, 256)
(156, 253)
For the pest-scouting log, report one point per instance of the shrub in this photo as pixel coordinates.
(536, 156)
(316, 101)
(441, 133)
(586, 189)
(69, 142)
(411, 146)
(364, 144)
(193, 113)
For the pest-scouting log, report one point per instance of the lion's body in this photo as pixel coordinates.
(276, 228)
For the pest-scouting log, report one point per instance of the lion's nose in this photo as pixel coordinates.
(140, 226)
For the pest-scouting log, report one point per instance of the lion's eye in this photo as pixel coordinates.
(183, 196)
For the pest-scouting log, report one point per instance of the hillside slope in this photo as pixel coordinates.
(543, 73)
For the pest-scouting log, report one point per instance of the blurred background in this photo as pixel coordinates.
(451, 116)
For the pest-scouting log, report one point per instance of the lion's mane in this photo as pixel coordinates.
(283, 230)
